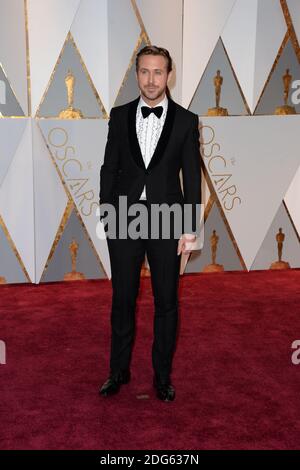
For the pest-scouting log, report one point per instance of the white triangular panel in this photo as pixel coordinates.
(78, 148)
(123, 34)
(50, 201)
(13, 48)
(11, 131)
(294, 9)
(46, 40)
(205, 192)
(90, 33)
(16, 201)
(251, 174)
(292, 200)
(165, 30)
(106, 33)
(130, 89)
(203, 24)
(260, 26)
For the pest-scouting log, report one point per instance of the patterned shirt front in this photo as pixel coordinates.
(148, 131)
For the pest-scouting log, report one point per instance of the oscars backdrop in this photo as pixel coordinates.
(65, 63)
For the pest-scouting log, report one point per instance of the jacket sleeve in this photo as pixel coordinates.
(191, 174)
(110, 167)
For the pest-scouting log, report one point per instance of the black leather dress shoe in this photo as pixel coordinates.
(164, 389)
(113, 384)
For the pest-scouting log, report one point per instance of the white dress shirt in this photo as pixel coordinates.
(148, 131)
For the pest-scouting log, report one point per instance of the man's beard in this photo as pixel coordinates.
(155, 96)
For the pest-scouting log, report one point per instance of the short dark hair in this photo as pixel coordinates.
(154, 50)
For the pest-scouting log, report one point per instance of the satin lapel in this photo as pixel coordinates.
(164, 136)
(133, 139)
(162, 141)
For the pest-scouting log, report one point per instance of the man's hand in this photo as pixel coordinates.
(186, 244)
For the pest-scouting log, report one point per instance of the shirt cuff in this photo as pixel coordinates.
(189, 236)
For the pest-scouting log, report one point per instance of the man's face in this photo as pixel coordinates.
(152, 76)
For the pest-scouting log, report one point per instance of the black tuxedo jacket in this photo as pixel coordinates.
(124, 173)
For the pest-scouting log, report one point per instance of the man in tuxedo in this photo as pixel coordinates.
(149, 141)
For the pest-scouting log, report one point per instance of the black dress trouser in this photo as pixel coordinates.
(126, 258)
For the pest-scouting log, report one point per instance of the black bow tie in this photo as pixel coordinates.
(146, 110)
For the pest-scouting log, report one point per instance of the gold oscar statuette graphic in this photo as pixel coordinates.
(286, 109)
(213, 267)
(70, 112)
(217, 111)
(73, 275)
(280, 264)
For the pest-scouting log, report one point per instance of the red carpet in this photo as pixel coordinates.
(236, 385)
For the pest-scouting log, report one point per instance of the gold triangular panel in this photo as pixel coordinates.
(71, 93)
(226, 254)
(268, 252)
(223, 85)
(273, 93)
(9, 105)
(73, 244)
